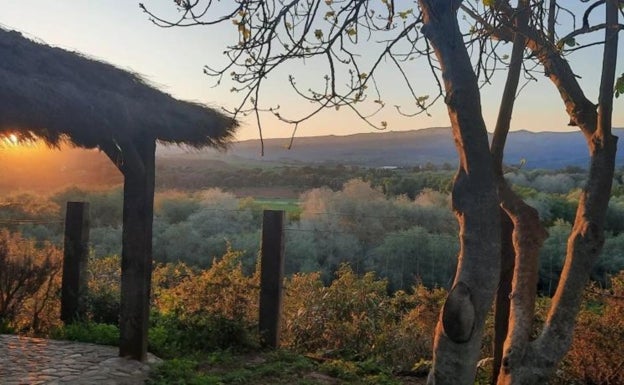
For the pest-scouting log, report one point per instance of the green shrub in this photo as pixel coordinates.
(408, 337)
(180, 371)
(356, 318)
(171, 336)
(30, 276)
(596, 355)
(344, 370)
(365, 373)
(203, 311)
(96, 333)
(343, 318)
(223, 290)
(103, 296)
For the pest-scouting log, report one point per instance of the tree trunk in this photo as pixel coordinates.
(475, 203)
(502, 302)
(534, 362)
(502, 308)
(528, 238)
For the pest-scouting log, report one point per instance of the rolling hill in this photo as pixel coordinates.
(550, 150)
(42, 169)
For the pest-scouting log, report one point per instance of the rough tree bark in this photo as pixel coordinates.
(531, 362)
(475, 203)
(514, 310)
(525, 361)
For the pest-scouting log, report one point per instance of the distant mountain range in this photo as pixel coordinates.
(550, 150)
(40, 169)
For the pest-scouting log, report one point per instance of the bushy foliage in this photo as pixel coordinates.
(343, 318)
(29, 206)
(415, 255)
(355, 318)
(204, 310)
(97, 333)
(360, 226)
(105, 206)
(104, 293)
(105, 241)
(365, 222)
(615, 214)
(181, 371)
(596, 355)
(174, 206)
(223, 289)
(552, 255)
(195, 228)
(409, 339)
(29, 283)
(219, 368)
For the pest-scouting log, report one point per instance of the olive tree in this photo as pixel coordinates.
(518, 358)
(500, 235)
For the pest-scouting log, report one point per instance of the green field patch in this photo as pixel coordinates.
(288, 205)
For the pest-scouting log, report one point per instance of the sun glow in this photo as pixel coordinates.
(10, 140)
(16, 142)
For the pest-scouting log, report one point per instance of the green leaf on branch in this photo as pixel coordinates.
(319, 34)
(489, 3)
(619, 86)
(570, 42)
(403, 15)
(422, 99)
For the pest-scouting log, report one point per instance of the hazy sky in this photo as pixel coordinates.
(118, 32)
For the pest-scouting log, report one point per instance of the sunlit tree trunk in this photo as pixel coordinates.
(475, 203)
(533, 362)
(524, 236)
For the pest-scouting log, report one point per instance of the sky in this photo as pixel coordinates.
(118, 32)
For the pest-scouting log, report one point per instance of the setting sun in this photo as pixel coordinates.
(15, 142)
(10, 140)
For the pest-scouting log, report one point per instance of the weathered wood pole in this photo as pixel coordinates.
(271, 277)
(75, 256)
(136, 254)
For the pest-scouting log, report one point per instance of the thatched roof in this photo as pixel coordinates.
(54, 94)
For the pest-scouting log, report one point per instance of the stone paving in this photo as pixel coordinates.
(32, 361)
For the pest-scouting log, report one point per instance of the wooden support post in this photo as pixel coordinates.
(271, 277)
(136, 254)
(75, 256)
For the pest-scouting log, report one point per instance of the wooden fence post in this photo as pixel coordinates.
(271, 277)
(75, 256)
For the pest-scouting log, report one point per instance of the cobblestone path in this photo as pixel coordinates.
(30, 361)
